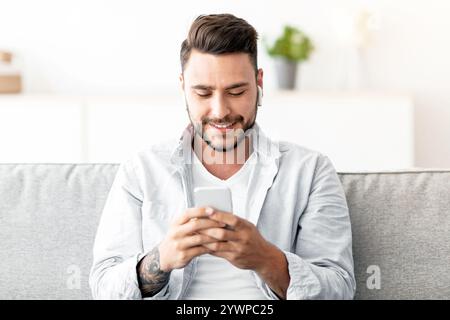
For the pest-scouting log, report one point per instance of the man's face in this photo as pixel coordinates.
(221, 93)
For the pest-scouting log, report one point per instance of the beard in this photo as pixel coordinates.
(228, 140)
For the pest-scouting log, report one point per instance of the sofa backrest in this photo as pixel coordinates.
(401, 232)
(49, 215)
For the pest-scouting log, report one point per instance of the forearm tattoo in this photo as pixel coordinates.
(150, 277)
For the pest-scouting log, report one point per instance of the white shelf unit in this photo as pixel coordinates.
(358, 131)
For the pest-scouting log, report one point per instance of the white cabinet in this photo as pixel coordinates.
(364, 131)
(40, 129)
(357, 131)
(118, 127)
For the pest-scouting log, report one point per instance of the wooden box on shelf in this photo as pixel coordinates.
(10, 78)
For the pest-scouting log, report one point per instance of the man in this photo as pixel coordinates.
(289, 236)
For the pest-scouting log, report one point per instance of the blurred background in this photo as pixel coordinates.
(92, 81)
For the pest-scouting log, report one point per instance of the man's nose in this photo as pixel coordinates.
(219, 107)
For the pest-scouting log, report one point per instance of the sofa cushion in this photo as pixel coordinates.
(48, 219)
(401, 233)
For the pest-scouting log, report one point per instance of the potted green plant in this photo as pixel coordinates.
(289, 49)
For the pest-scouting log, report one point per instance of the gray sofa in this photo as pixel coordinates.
(49, 215)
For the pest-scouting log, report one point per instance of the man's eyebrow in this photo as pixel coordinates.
(237, 85)
(202, 87)
(233, 86)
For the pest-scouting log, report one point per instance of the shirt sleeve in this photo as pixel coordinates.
(322, 265)
(118, 244)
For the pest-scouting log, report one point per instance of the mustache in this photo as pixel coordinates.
(227, 119)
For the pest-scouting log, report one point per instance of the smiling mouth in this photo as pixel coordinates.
(222, 126)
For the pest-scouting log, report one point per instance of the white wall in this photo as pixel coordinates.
(131, 47)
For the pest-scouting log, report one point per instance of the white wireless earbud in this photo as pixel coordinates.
(259, 99)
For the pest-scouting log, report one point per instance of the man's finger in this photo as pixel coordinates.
(228, 218)
(192, 213)
(195, 225)
(196, 251)
(221, 234)
(220, 246)
(196, 240)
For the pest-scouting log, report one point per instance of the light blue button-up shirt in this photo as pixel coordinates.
(296, 201)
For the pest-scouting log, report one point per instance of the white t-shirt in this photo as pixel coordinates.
(216, 278)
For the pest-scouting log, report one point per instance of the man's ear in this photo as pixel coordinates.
(181, 81)
(259, 78)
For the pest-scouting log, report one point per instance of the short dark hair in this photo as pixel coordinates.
(220, 34)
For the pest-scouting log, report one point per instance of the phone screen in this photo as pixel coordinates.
(216, 197)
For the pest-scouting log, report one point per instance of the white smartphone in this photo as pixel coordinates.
(218, 198)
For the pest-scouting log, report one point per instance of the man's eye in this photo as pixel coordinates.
(237, 93)
(203, 95)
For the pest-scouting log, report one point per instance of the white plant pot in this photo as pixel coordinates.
(286, 71)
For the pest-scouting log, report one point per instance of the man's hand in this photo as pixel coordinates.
(184, 242)
(181, 245)
(243, 246)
